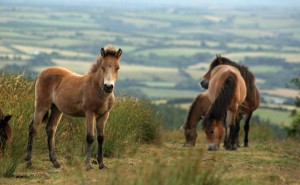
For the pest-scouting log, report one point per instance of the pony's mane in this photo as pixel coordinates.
(245, 72)
(109, 51)
(220, 106)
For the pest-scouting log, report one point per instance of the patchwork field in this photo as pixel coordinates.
(165, 53)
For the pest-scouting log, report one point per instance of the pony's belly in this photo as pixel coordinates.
(77, 114)
(72, 109)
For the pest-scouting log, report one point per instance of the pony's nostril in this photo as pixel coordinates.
(108, 87)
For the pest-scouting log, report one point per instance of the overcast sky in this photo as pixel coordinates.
(165, 3)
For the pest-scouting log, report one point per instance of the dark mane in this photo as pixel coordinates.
(220, 106)
(245, 72)
(109, 51)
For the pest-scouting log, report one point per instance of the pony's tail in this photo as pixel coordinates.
(220, 106)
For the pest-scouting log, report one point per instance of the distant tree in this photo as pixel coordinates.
(203, 44)
(41, 59)
(294, 129)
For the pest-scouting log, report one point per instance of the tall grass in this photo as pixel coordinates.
(189, 169)
(131, 121)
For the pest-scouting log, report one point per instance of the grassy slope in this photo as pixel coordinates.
(269, 162)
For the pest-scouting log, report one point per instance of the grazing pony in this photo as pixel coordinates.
(5, 131)
(252, 99)
(196, 113)
(226, 91)
(91, 96)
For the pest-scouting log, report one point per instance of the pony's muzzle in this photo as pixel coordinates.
(212, 147)
(108, 88)
(204, 84)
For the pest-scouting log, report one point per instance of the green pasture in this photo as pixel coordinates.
(176, 51)
(4, 63)
(238, 56)
(159, 84)
(142, 22)
(266, 69)
(158, 93)
(273, 116)
(146, 73)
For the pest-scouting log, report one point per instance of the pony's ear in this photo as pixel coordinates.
(219, 59)
(119, 53)
(6, 118)
(102, 51)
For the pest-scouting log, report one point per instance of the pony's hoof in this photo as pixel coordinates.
(89, 167)
(246, 145)
(56, 164)
(227, 147)
(232, 148)
(102, 166)
(28, 164)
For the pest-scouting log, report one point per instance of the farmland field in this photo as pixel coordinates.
(165, 53)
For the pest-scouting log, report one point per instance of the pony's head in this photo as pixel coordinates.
(217, 61)
(4, 120)
(190, 136)
(214, 132)
(5, 131)
(108, 66)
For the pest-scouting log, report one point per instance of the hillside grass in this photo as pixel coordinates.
(266, 161)
(137, 151)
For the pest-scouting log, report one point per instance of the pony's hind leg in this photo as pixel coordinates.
(100, 124)
(237, 129)
(39, 116)
(51, 128)
(246, 129)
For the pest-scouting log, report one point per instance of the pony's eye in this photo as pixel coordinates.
(117, 68)
(211, 132)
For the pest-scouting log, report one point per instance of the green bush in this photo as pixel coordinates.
(131, 121)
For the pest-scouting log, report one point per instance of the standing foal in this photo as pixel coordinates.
(90, 96)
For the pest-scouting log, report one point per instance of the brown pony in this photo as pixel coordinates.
(252, 99)
(91, 96)
(226, 91)
(5, 131)
(196, 113)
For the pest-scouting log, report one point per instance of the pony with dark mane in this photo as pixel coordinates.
(197, 111)
(91, 96)
(252, 99)
(226, 91)
(5, 131)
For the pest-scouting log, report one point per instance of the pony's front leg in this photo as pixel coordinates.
(227, 130)
(100, 124)
(233, 130)
(90, 127)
